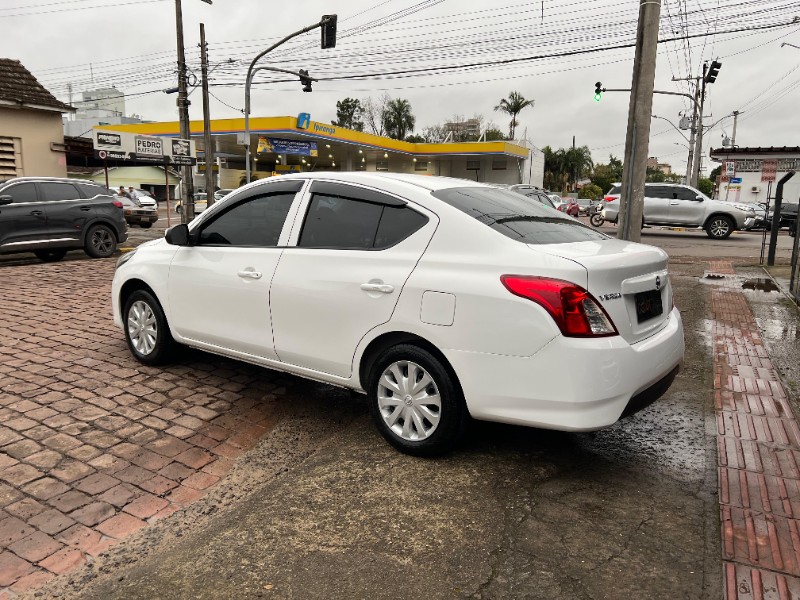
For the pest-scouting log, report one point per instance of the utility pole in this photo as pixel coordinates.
(639, 116)
(698, 150)
(208, 150)
(733, 136)
(692, 137)
(187, 185)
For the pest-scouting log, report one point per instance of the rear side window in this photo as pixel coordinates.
(659, 191)
(90, 191)
(22, 192)
(256, 222)
(56, 192)
(337, 222)
(516, 217)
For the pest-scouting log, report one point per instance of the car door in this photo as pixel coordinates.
(67, 211)
(23, 222)
(343, 272)
(684, 207)
(656, 203)
(218, 287)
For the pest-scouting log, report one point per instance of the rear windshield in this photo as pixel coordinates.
(517, 217)
(617, 189)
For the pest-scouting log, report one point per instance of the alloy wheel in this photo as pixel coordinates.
(102, 241)
(719, 227)
(409, 401)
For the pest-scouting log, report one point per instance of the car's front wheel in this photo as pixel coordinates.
(720, 227)
(50, 255)
(414, 401)
(146, 329)
(100, 242)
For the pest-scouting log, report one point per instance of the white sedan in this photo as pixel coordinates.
(441, 299)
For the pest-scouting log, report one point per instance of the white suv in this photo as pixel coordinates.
(439, 298)
(684, 206)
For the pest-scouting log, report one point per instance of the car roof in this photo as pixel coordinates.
(427, 182)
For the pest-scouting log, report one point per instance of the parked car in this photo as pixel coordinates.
(49, 216)
(200, 204)
(788, 213)
(534, 193)
(585, 206)
(145, 198)
(569, 206)
(137, 213)
(684, 206)
(439, 298)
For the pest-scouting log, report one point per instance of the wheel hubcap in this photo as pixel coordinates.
(409, 401)
(101, 240)
(142, 327)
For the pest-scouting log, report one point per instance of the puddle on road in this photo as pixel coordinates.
(760, 283)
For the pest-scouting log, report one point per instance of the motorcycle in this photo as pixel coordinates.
(596, 217)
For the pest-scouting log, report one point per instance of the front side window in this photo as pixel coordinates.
(255, 222)
(685, 193)
(516, 217)
(56, 192)
(22, 192)
(342, 223)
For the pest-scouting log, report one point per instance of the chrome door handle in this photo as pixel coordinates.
(37, 213)
(674, 203)
(383, 288)
(249, 274)
(86, 208)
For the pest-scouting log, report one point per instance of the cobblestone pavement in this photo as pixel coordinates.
(93, 445)
(758, 453)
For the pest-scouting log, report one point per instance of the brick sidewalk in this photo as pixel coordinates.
(758, 453)
(93, 445)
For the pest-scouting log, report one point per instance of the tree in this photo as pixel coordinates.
(372, 112)
(512, 106)
(715, 172)
(655, 175)
(397, 118)
(415, 139)
(706, 186)
(493, 134)
(578, 162)
(590, 191)
(348, 114)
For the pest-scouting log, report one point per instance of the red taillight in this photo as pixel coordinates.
(574, 310)
(117, 203)
(610, 198)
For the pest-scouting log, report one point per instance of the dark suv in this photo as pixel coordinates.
(48, 216)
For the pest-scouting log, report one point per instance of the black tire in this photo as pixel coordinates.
(597, 220)
(179, 209)
(146, 225)
(50, 255)
(452, 412)
(100, 241)
(719, 227)
(142, 308)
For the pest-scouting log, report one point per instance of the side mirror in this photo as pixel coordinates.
(178, 235)
(699, 198)
(6, 200)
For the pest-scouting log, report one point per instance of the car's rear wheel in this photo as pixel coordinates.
(720, 227)
(50, 255)
(415, 402)
(100, 242)
(146, 329)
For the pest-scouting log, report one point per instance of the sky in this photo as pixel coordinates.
(557, 50)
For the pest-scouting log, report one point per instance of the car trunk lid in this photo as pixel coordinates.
(629, 280)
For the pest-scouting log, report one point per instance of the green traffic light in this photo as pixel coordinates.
(598, 97)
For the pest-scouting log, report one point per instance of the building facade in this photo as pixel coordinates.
(31, 132)
(751, 174)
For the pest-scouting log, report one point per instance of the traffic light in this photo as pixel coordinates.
(598, 91)
(328, 31)
(305, 80)
(713, 71)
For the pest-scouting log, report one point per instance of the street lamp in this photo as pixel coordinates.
(328, 25)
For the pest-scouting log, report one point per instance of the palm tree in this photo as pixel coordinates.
(578, 162)
(397, 118)
(513, 105)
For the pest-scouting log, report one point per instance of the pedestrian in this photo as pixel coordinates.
(131, 192)
(122, 192)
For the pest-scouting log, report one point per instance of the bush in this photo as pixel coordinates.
(706, 186)
(590, 191)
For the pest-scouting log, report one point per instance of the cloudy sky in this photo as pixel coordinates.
(557, 50)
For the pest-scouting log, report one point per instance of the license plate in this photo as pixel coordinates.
(648, 305)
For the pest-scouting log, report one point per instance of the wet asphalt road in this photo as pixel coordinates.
(324, 508)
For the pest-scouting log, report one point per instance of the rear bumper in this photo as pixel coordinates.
(571, 384)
